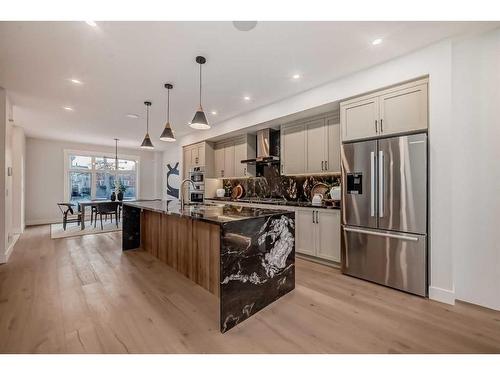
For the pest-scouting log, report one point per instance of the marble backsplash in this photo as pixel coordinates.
(273, 185)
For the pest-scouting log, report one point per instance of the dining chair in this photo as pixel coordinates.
(69, 215)
(109, 208)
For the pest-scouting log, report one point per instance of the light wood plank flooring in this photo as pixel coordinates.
(83, 295)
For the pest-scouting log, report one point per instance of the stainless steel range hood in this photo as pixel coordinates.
(268, 141)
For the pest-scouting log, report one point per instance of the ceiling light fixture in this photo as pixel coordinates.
(377, 41)
(146, 143)
(247, 98)
(296, 76)
(214, 113)
(91, 23)
(200, 120)
(168, 135)
(76, 81)
(132, 115)
(68, 108)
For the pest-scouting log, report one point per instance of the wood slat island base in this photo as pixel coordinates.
(190, 247)
(244, 256)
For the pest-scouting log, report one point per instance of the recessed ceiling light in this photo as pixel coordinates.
(91, 23)
(68, 108)
(132, 115)
(247, 98)
(76, 81)
(214, 112)
(377, 41)
(296, 76)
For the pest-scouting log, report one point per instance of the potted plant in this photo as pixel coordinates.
(121, 189)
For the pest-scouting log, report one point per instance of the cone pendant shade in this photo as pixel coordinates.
(167, 135)
(200, 120)
(146, 143)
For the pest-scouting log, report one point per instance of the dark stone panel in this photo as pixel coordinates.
(272, 185)
(257, 265)
(131, 228)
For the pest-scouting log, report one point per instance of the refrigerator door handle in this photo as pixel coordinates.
(372, 183)
(381, 183)
(381, 234)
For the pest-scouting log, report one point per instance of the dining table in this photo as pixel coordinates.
(95, 202)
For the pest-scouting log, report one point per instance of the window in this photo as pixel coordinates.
(96, 176)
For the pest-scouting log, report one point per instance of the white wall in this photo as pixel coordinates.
(45, 176)
(476, 169)
(18, 179)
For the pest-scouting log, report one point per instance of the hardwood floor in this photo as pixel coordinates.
(83, 295)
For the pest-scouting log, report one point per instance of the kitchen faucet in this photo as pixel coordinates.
(182, 193)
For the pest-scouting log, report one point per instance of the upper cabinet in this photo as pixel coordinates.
(230, 153)
(395, 110)
(311, 146)
(197, 155)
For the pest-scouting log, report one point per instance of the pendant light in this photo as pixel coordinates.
(146, 143)
(168, 135)
(200, 120)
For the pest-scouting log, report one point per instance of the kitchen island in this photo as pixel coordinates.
(245, 256)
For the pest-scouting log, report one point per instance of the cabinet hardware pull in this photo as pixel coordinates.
(322, 165)
(317, 218)
(313, 216)
(326, 165)
(381, 127)
(376, 129)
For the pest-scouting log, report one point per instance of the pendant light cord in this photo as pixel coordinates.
(147, 119)
(200, 84)
(168, 106)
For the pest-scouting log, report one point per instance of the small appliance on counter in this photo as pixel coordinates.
(220, 193)
(317, 199)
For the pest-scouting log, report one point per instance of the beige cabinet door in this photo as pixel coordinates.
(315, 146)
(333, 150)
(293, 140)
(305, 231)
(219, 162)
(404, 110)
(328, 245)
(240, 153)
(200, 154)
(360, 119)
(229, 160)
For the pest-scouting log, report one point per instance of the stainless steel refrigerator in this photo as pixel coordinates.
(384, 211)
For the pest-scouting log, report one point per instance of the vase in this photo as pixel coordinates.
(120, 196)
(113, 196)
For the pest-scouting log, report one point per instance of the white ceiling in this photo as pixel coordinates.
(124, 63)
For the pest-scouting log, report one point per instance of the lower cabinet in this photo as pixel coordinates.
(317, 233)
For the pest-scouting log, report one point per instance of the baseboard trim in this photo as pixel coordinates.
(42, 222)
(442, 295)
(10, 249)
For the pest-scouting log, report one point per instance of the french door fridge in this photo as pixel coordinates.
(384, 211)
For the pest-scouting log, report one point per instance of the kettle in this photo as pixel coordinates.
(317, 199)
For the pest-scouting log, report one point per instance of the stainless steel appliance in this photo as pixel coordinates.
(384, 211)
(197, 187)
(268, 148)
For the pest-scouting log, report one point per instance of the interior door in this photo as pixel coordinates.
(403, 183)
(359, 184)
(316, 146)
(360, 119)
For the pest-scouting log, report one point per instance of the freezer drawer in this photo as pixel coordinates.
(398, 260)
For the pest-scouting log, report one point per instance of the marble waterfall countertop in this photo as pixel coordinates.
(212, 213)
